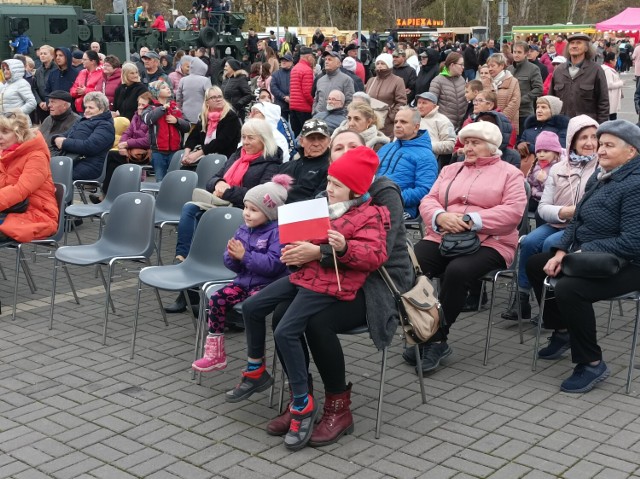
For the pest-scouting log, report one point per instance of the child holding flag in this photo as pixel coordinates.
(357, 235)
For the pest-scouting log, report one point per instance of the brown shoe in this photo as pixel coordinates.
(279, 425)
(336, 420)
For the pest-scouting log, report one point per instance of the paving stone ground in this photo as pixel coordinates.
(73, 408)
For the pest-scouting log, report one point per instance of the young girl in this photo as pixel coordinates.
(548, 151)
(358, 236)
(254, 254)
(166, 127)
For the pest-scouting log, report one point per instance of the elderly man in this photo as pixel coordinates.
(581, 83)
(533, 56)
(439, 127)
(333, 79)
(529, 80)
(95, 46)
(405, 71)
(61, 118)
(408, 160)
(76, 60)
(335, 113)
(41, 76)
(152, 70)
(349, 68)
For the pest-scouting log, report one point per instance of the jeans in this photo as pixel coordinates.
(470, 74)
(189, 219)
(540, 239)
(160, 161)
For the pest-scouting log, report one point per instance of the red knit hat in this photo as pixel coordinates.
(356, 169)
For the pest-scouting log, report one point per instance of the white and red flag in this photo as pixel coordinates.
(304, 221)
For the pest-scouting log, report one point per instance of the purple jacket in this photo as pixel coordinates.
(137, 134)
(261, 263)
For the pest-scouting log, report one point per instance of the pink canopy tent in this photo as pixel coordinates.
(627, 21)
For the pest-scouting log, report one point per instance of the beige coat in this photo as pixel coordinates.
(441, 132)
(389, 90)
(508, 98)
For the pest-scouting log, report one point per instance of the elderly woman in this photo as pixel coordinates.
(111, 78)
(483, 194)
(25, 180)
(607, 220)
(90, 138)
(235, 87)
(88, 80)
(449, 88)
(387, 88)
(16, 92)
(563, 189)
(217, 130)
(505, 86)
(125, 100)
(363, 120)
(254, 163)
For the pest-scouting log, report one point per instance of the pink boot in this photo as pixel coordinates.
(214, 355)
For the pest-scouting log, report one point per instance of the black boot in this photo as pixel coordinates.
(525, 308)
(179, 306)
(471, 303)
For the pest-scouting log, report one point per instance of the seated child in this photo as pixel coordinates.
(548, 151)
(254, 254)
(471, 90)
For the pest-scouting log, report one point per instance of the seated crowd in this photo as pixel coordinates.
(423, 143)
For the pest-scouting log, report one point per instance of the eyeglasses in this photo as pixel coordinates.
(459, 64)
(215, 97)
(480, 100)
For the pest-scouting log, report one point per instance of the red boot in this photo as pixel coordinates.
(336, 420)
(279, 425)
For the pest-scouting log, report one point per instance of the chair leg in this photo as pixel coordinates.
(73, 288)
(274, 370)
(201, 330)
(518, 307)
(135, 320)
(634, 344)
(159, 247)
(106, 303)
(164, 313)
(190, 309)
(539, 328)
(419, 374)
(489, 324)
(610, 317)
(27, 271)
(104, 283)
(53, 292)
(281, 397)
(620, 308)
(198, 346)
(15, 284)
(383, 370)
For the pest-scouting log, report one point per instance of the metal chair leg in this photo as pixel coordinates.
(274, 370)
(610, 317)
(106, 303)
(53, 292)
(281, 397)
(518, 306)
(4, 276)
(135, 320)
(489, 323)
(419, 374)
(194, 318)
(164, 313)
(620, 308)
(634, 344)
(539, 327)
(104, 283)
(159, 247)
(73, 288)
(15, 284)
(383, 370)
(27, 271)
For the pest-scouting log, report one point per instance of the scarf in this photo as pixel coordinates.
(496, 81)
(445, 72)
(575, 159)
(338, 209)
(235, 174)
(605, 175)
(213, 118)
(372, 136)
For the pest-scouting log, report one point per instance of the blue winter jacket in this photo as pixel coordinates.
(261, 263)
(532, 128)
(62, 79)
(412, 166)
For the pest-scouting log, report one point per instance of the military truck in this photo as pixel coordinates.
(64, 25)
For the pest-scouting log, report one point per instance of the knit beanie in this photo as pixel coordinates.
(234, 64)
(483, 130)
(549, 141)
(349, 64)
(555, 103)
(268, 196)
(154, 87)
(356, 169)
(386, 58)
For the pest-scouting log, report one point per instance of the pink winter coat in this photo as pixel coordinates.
(490, 187)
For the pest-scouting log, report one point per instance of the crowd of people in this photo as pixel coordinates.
(447, 135)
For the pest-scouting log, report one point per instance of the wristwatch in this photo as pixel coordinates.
(466, 218)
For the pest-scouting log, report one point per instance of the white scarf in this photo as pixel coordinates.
(499, 79)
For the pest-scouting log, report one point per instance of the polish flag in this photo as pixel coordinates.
(304, 221)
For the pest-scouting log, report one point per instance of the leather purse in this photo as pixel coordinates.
(138, 155)
(592, 264)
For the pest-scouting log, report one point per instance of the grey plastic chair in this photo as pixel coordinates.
(128, 235)
(204, 263)
(96, 182)
(53, 241)
(154, 186)
(126, 178)
(175, 190)
(62, 172)
(208, 166)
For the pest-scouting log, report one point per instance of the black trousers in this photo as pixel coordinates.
(297, 119)
(321, 337)
(456, 276)
(570, 304)
(114, 159)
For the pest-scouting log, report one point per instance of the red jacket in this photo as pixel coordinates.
(91, 81)
(162, 135)
(159, 24)
(301, 83)
(25, 173)
(365, 229)
(360, 71)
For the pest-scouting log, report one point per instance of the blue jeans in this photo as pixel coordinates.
(541, 239)
(160, 161)
(189, 219)
(470, 74)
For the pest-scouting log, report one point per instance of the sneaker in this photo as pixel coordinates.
(585, 377)
(214, 355)
(252, 382)
(301, 426)
(558, 344)
(432, 354)
(409, 354)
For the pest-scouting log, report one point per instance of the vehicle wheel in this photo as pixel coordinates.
(208, 37)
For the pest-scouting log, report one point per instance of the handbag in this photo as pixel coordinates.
(419, 309)
(380, 108)
(205, 200)
(138, 155)
(592, 264)
(458, 244)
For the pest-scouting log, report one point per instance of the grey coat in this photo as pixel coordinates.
(192, 90)
(335, 80)
(530, 81)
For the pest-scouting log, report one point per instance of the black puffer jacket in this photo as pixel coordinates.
(226, 140)
(260, 171)
(237, 92)
(509, 155)
(428, 71)
(125, 99)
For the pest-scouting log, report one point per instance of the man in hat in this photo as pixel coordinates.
(405, 71)
(529, 80)
(61, 118)
(470, 56)
(534, 52)
(348, 67)
(152, 69)
(439, 127)
(580, 83)
(351, 50)
(333, 79)
(76, 60)
(280, 84)
(301, 100)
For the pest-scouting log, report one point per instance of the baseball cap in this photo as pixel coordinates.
(152, 55)
(287, 57)
(432, 97)
(398, 53)
(77, 54)
(315, 126)
(534, 47)
(305, 51)
(332, 53)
